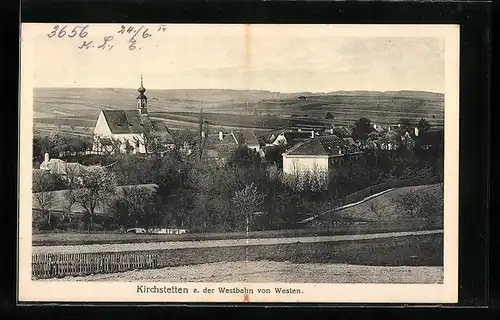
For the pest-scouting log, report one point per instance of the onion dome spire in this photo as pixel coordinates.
(141, 89)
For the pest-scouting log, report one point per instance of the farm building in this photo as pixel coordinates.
(320, 154)
(128, 131)
(217, 147)
(289, 138)
(247, 138)
(60, 167)
(340, 131)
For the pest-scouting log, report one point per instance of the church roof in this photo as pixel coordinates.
(130, 121)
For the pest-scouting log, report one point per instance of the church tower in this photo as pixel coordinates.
(142, 100)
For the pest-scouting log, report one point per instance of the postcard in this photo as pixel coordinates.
(238, 163)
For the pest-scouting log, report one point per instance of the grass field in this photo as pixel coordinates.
(383, 204)
(73, 238)
(261, 109)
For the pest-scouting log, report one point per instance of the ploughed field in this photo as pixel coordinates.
(236, 109)
(275, 272)
(406, 259)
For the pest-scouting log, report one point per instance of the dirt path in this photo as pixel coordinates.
(218, 243)
(270, 271)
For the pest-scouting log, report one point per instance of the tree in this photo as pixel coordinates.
(329, 115)
(404, 125)
(362, 128)
(244, 157)
(156, 142)
(72, 182)
(96, 185)
(375, 209)
(136, 207)
(43, 184)
(246, 201)
(420, 204)
(423, 125)
(274, 155)
(184, 139)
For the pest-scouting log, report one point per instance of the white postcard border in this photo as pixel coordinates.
(447, 292)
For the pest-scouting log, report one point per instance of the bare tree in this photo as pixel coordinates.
(407, 203)
(43, 194)
(375, 209)
(73, 180)
(247, 201)
(116, 145)
(96, 186)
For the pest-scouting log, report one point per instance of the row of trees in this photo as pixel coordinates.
(207, 197)
(363, 127)
(60, 145)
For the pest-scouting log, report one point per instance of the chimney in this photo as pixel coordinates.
(331, 131)
(46, 157)
(221, 135)
(312, 134)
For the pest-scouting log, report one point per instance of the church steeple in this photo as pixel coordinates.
(142, 100)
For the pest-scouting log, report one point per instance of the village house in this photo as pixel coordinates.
(320, 154)
(217, 147)
(340, 131)
(61, 168)
(289, 138)
(128, 131)
(378, 128)
(247, 138)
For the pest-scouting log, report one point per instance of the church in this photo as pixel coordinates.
(130, 131)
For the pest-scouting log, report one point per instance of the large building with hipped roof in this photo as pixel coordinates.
(319, 154)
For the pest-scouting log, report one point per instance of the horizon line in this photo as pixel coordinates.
(264, 90)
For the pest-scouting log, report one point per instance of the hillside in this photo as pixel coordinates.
(384, 205)
(180, 108)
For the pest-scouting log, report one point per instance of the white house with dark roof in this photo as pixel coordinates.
(60, 167)
(127, 130)
(248, 138)
(320, 154)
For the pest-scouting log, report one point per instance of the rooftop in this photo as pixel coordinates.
(130, 121)
(320, 146)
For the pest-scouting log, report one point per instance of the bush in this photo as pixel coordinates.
(97, 227)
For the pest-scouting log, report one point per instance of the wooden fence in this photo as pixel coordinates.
(80, 264)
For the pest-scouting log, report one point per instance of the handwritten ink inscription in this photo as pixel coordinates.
(136, 35)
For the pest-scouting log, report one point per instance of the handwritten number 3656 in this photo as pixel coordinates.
(62, 32)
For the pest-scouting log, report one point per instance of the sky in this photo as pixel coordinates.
(278, 58)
